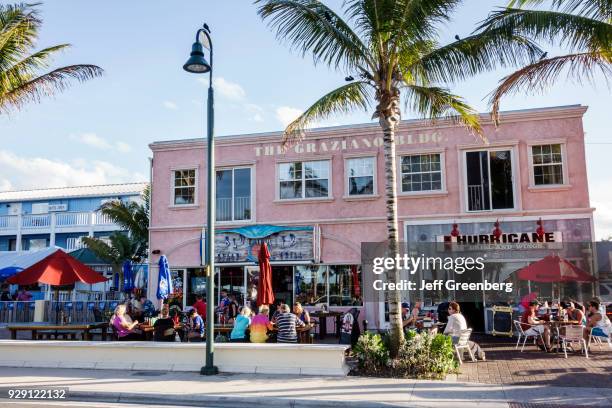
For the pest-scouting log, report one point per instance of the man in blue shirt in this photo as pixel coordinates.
(196, 329)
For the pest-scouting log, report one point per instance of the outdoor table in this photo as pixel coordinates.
(84, 328)
(303, 333)
(322, 317)
(556, 327)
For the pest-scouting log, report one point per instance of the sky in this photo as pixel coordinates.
(98, 132)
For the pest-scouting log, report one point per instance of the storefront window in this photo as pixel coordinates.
(310, 284)
(232, 281)
(345, 285)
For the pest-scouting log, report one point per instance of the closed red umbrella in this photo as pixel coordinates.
(57, 269)
(554, 269)
(265, 295)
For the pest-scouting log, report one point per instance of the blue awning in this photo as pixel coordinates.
(262, 231)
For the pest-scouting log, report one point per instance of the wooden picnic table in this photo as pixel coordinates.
(35, 328)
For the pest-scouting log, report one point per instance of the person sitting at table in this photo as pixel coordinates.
(24, 295)
(277, 310)
(534, 326)
(287, 324)
(124, 327)
(164, 326)
(196, 326)
(301, 313)
(148, 308)
(260, 324)
(241, 324)
(575, 314)
(412, 318)
(456, 322)
(599, 324)
(233, 309)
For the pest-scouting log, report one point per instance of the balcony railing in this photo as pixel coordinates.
(72, 219)
(242, 209)
(56, 220)
(36, 221)
(8, 222)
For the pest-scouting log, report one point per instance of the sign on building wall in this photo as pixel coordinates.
(512, 241)
(240, 245)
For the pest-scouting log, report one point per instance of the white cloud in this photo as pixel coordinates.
(287, 114)
(95, 141)
(170, 105)
(254, 111)
(21, 172)
(227, 89)
(601, 199)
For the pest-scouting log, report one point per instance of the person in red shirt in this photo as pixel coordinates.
(532, 325)
(200, 306)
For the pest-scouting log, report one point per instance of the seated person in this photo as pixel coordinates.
(277, 310)
(456, 322)
(532, 325)
(124, 327)
(413, 316)
(301, 313)
(164, 326)
(148, 309)
(241, 324)
(260, 324)
(195, 331)
(599, 324)
(575, 314)
(287, 324)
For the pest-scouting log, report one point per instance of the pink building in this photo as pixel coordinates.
(318, 201)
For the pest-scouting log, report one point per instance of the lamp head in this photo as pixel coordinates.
(197, 64)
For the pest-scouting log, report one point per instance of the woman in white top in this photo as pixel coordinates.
(599, 323)
(456, 321)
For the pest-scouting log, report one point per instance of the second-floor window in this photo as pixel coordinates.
(421, 172)
(300, 180)
(184, 187)
(360, 172)
(547, 164)
(233, 194)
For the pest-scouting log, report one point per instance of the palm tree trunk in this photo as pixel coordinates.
(389, 120)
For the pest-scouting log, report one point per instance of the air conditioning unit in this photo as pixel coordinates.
(58, 207)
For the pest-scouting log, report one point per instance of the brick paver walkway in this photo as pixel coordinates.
(505, 365)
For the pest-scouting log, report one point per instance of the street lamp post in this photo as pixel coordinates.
(197, 64)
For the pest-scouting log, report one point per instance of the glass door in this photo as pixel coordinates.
(490, 184)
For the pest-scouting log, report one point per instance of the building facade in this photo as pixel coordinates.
(36, 219)
(316, 202)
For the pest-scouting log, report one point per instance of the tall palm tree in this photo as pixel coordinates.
(116, 251)
(132, 217)
(582, 27)
(392, 48)
(21, 79)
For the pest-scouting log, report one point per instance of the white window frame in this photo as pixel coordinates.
(330, 194)
(516, 198)
(442, 190)
(252, 183)
(40, 208)
(173, 187)
(347, 177)
(564, 165)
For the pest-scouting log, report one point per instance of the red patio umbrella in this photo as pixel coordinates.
(554, 269)
(265, 295)
(57, 269)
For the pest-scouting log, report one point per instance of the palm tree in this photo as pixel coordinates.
(116, 251)
(391, 47)
(132, 217)
(583, 27)
(21, 80)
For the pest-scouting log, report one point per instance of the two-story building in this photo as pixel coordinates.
(316, 202)
(36, 219)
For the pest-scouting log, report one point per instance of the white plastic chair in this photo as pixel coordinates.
(598, 340)
(521, 334)
(573, 334)
(462, 345)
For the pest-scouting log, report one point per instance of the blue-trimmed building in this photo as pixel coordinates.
(35, 219)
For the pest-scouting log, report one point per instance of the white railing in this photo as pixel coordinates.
(72, 219)
(101, 219)
(36, 221)
(242, 208)
(73, 244)
(476, 198)
(8, 222)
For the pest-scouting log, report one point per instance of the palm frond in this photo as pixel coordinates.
(23, 70)
(102, 250)
(577, 32)
(469, 56)
(46, 85)
(18, 27)
(438, 103)
(311, 26)
(539, 76)
(597, 9)
(355, 95)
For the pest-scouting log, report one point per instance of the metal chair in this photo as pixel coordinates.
(598, 340)
(522, 334)
(573, 334)
(462, 345)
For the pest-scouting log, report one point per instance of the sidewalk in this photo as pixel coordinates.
(291, 391)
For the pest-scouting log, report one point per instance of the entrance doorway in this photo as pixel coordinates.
(282, 284)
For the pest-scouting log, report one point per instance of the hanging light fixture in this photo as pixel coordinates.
(455, 231)
(497, 232)
(540, 230)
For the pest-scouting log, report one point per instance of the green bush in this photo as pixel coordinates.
(372, 354)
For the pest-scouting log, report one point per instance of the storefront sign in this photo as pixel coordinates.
(241, 245)
(513, 240)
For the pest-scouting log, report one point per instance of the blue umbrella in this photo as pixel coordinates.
(164, 281)
(9, 271)
(128, 277)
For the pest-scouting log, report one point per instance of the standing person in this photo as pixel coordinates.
(260, 324)
(241, 324)
(533, 325)
(196, 326)
(301, 313)
(124, 327)
(599, 324)
(200, 306)
(287, 324)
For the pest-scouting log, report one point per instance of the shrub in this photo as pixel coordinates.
(371, 353)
